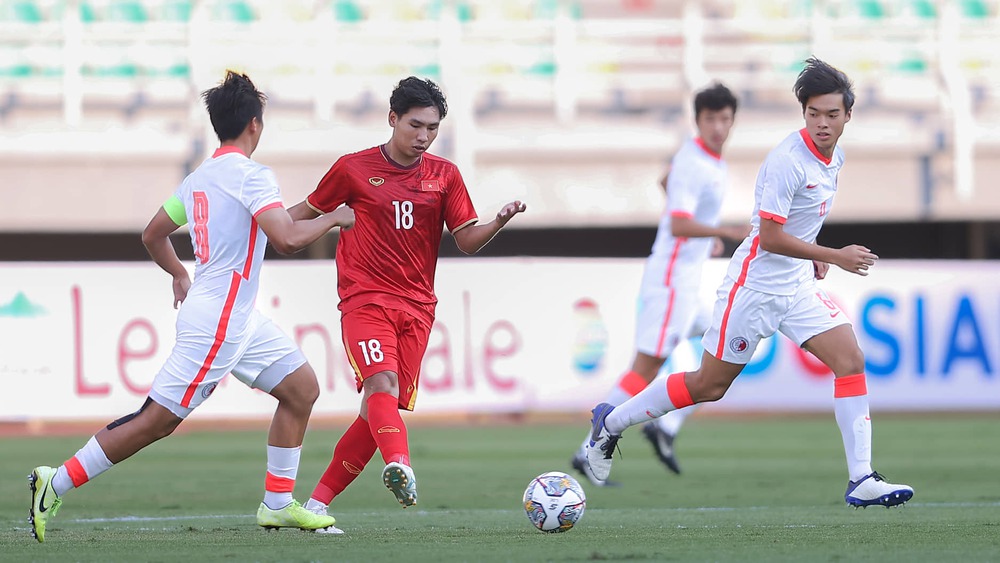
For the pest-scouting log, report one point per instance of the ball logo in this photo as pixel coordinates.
(208, 390)
(739, 345)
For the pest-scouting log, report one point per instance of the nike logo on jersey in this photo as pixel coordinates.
(834, 314)
(376, 181)
(811, 186)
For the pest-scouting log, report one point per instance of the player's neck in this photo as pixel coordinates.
(398, 157)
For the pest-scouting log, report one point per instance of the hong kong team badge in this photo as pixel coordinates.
(208, 390)
(739, 345)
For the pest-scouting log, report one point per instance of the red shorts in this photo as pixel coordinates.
(379, 339)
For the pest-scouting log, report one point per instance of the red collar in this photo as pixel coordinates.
(226, 149)
(812, 147)
(701, 143)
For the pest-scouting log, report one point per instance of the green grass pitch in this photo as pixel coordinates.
(753, 489)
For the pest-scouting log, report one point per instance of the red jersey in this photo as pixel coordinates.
(390, 254)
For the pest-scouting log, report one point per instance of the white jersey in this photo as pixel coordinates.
(695, 187)
(795, 187)
(222, 198)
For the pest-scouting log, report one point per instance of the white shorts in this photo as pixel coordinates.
(743, 317)
(189, 376)
(666, 316)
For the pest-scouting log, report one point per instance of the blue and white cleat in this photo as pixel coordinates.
(602, 443)
(580, 463)
(873, 490)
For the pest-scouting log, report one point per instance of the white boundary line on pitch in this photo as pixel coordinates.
(433, 512)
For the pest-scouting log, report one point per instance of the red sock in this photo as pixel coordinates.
(355, 448)
(387, 428)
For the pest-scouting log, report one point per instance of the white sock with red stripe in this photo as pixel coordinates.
(282, 467)
(89, 462)
(652, 402)
(850, 405)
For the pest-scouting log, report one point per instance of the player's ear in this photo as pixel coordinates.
(393, 118)
(847, 115)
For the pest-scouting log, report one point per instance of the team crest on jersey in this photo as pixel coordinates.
(430, 186)
(739, 345)
(376, 181)
(208, 390)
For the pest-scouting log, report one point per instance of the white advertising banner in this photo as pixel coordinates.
(84, 341)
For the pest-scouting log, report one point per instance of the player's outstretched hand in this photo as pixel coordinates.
(344, 216)
(510, 210)
(181, 286)
(855, 259)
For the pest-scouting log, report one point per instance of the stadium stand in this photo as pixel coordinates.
(575, 103)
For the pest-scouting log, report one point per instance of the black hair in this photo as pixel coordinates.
(233, 104)
(415, 92)
(819, 78)
(714, 98)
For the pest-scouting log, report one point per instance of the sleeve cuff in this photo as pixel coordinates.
(776, 218)
(266, 207)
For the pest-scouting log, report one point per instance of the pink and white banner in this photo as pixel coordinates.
(84, 341)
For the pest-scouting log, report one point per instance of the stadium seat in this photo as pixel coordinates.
(923, 9)
(23, 11)
(871, 9)
(176, 10)
(975, 9)
(128, 11)
(347, 11)
(234, 11)
(87, 13)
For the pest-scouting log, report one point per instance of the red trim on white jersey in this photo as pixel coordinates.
(251, 244)
(679, 213)
(701, 143)
(227, 311)
(732, 295)
(268, 206)
(678, 242)
(666, 323)
(812, 147)
(227, 149)
(220, 337)
(772, 216)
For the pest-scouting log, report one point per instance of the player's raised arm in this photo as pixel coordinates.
(289, 236)
(473, 238)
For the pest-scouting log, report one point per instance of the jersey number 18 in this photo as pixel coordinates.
(404, 214)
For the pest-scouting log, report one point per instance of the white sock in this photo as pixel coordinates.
(89, 462)
(282, 468)
(313, 504)
(672, 421)
(652, 402)
(856, 430)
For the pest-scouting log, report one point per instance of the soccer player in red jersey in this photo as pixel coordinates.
(403, 198)
(771, 287)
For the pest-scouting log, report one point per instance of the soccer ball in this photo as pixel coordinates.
(554, 502)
